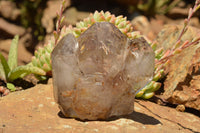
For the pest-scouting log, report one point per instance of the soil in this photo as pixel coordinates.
(44, 116)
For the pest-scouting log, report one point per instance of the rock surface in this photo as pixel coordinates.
(73, 16)
(34, 110)
(97, 75)
(182, 85)
(149, 28)
(9, 10)
(10, 28)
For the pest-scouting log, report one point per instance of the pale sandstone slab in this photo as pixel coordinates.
(34, 110)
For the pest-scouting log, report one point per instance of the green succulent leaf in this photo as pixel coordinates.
(41, 77)
(147, 95)
(21, 71)
(148, 91)
(139, 94)
(4, 64)
(12, 57)
(11, 86)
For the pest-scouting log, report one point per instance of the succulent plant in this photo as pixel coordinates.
(42, 60)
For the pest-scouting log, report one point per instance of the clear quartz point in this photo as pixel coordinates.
(97, 75)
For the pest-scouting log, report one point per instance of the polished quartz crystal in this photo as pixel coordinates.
(97, 75)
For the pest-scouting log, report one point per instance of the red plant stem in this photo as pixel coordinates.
(158, 62)
(191, 12)
(192, 43)
(59, 22)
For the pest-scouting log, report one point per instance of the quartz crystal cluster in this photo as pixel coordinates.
(97, 75)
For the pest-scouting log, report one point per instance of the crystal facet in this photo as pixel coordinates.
(97, 75)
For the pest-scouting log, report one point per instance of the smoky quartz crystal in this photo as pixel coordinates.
(97, 75)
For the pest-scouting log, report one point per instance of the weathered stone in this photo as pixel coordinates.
(9, 10)
(149, 28)
(182, 83)
(180, 108)
(73, 16)
(10, 28)
(97, 75)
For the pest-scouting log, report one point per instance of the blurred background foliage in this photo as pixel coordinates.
(31, 14)
(152, 7)
(32, 10)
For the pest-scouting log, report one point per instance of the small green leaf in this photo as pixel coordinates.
(11, 86)
(40, 77)
(2, 73)
(139, 94)
(4, 63)
(62, 19)
(24, 70)
(12, 57)
(148, 95)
